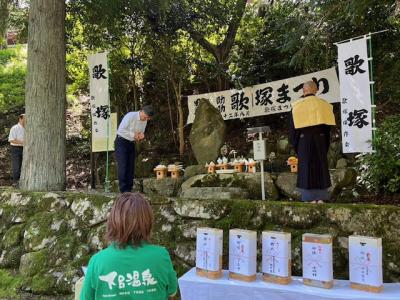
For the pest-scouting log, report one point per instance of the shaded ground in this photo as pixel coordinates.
(78, 147)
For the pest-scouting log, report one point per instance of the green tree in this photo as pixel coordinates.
(4, 14)
(12, 78)
(174, 68)
(119, 27)
(43, 166)
(380, 171)
(18, 20)
(212, 24)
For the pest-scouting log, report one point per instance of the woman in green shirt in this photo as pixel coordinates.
(131, 267)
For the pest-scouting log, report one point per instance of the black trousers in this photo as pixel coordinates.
(16, 161)
(125, 156)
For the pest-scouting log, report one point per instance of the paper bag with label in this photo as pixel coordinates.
(365, 262)
(209, 252)
(317, 260)
(276, 257)
(242, 254)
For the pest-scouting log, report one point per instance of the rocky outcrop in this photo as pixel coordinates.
(215, 193)
(208, 132)
(168, 187)
(250, 182)
(340, 178)
(194, 170)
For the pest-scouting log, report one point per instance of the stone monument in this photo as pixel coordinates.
(208, 132)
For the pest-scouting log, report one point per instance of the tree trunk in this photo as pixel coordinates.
(177, 89)
(4, 14)
(170, 116)
(397, 9)
(135, 94)
(43, 165)
(221, 51)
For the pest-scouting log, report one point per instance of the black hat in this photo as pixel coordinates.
(148, 110)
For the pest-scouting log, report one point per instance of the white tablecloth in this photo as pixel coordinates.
(193, 287)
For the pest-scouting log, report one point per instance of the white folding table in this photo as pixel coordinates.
(193, 287)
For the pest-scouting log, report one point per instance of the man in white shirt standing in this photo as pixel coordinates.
(130, 130)
(16, 140)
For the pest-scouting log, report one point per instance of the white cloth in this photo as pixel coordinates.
(355, 94)
(78, 288)
(16, 133)
(193, 287)
(130, 125)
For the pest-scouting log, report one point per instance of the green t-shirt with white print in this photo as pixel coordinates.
(144, 272)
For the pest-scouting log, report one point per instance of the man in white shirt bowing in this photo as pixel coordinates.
(130, 130)
(16, 140)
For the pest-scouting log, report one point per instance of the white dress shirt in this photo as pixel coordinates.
(16, 133)
(130, 125)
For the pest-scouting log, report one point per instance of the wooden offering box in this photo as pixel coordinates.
(209, 252)
(174, 170)
(293, 163)
(365, 263)
(251, 167)
(161, 172)
(317, 260)
(238, 167)
(276, 257)
(174, 174)
(242, 254)
(211, 168)
(222, 166)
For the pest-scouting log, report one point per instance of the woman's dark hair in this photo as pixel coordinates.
(130, 221)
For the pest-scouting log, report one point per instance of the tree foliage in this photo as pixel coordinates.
(380, 171)
(12, 78)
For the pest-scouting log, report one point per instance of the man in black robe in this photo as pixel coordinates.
(311, 121)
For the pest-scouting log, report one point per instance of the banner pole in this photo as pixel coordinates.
(361, 36)
(107, 181)
(372, 89)
(92, 158)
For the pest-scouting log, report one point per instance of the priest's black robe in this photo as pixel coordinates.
(311, 145)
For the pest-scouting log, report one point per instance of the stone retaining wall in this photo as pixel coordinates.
(46, 237)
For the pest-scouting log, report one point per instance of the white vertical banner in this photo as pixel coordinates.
(355, 95)
(100, 104)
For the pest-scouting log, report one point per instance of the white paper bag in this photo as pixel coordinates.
(209, 249)
(276, 253)
(365, 260)
(243, 252)
(317, 258)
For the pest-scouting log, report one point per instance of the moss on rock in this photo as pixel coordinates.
(10, 257)
(168, 187)
(53, 282)
(43, 228)
(33, 263)
(96, 238)
(12, 236)
(67, 248)
(9, 284)
(91, 209)
(251, 182)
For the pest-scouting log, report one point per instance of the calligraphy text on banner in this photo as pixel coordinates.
(102, 128)
(267, 98)
(355, 96)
